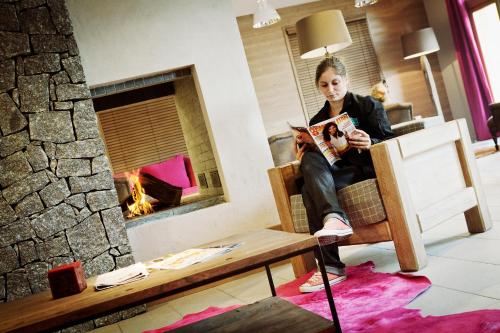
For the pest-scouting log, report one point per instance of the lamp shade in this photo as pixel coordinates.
(420, 42)
(265, 15)
(323, 32)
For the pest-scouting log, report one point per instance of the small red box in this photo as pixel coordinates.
(67, 280)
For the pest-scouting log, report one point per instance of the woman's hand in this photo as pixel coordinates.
(302, 140)
(359, 139)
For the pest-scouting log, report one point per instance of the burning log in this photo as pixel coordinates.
(164, 192)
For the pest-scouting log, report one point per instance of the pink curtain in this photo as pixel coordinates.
(476, 83)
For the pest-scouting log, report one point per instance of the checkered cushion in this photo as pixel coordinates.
(361, 202)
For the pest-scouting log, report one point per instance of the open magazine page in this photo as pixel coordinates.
(190, 257)
(331, 136)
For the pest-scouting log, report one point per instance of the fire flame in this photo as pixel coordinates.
(140, 205)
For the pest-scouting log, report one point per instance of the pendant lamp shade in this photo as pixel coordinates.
(265, 15)
(322, 33)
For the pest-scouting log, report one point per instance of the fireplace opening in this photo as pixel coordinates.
(158, 145)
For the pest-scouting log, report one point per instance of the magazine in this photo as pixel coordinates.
(190, 257)
(121, 276)
(330, 136)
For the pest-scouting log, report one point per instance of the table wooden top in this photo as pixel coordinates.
(41, 312)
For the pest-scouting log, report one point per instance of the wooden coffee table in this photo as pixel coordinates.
(40, 312)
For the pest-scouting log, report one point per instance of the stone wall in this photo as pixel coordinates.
(57, 200)
(196, 137)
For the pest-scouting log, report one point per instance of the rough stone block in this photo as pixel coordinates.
(2, 289)
(51, 126)
(72, 46)
(25, 186)
(100, 181)
(88, 239)
(12, 119)
(7, 214)
(60, 78)
(9, 260)
(48, 43)
(16, 98)
(15, 232)
(14, 167)
(37, 157)
(18, 285)
(63, 106)
(13, 44)
(77, 200)
(54, 220)
(68, 91)
(100, 264)
(54, 247)
(124, 261)
(34, 92)
(50, 149)
(100, 164)
(25, 4)
(31, 204)
(80, 149)
(54, 193)
(73, 167)
(102, 200)
(73, 67)
(83, 214)
(7, 74)
(60, 16)
(42, 63)
(27, 252)
(125, 249)
(37, 276)
(115, 226)
(79, 328)
(14, 142)
(8, 19)
(36, 21)
(85, 120)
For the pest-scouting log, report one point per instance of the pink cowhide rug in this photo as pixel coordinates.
(369, 301)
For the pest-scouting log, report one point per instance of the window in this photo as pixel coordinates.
(360, 59)
(142, 133)
(487, 26)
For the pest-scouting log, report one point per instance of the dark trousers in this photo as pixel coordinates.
(319, 193)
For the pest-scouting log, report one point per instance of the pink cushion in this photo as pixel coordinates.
(171, 171)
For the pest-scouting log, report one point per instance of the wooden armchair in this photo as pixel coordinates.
(423, 177)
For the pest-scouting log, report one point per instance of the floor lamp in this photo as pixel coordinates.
(418, 44)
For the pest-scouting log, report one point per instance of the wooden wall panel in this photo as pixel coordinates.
(272, 72)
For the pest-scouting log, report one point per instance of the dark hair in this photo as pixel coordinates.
(326, 133)
(330, 62)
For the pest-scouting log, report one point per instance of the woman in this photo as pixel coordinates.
(327, 220)
(334, 138)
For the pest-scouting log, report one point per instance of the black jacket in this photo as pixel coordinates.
(368, 115)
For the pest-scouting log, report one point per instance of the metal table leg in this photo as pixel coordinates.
(270, 278)
(329, 296)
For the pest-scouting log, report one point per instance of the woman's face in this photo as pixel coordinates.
(332, 85)
(332, 130)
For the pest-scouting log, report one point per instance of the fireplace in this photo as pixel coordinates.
(158, 145)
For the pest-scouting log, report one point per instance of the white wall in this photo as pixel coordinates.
(450, 69)
(122, 39)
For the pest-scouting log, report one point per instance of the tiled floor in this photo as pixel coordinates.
(464, 269)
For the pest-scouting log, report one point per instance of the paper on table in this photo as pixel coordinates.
(121, 276)
(190, 257)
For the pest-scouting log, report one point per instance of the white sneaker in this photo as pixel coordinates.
(327, 236)
(315, 282)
